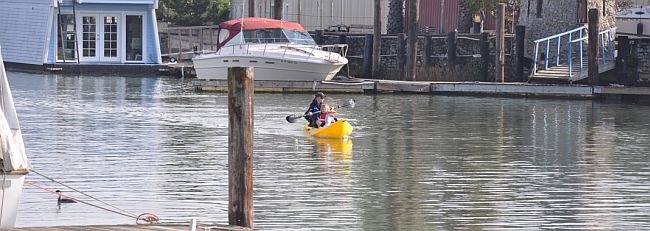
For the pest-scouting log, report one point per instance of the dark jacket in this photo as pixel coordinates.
(314, 108)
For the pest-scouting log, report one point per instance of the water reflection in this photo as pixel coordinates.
(418, 162)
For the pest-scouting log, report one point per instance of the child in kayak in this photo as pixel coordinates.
(314, 110)
(326, 116)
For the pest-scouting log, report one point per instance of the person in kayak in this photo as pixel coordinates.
(326, 116)
(313, 112)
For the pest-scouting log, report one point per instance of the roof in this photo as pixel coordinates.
(259, 23)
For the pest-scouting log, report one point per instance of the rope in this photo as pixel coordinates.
(146, 218)
(61, 183)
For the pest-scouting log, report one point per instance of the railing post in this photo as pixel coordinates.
(570, 56)
(535, 61)
(611, 45)
(581, 48)
(557, 59)
(548, 45)
(594, 22)
(602, 45)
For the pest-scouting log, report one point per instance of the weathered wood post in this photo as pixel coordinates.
(318, 38)
(520, 49)
(277, 9)
(343, 39)
(251, 8)
(622, 60)
(428, 42)
(201, 39)
(401, 56)
(367, 56)
(169, 43)
(500, 56)
(592, 62)
(376, 48)
(211, 38)
(180, 45)
(485, 56)
(240, 146)
(452, 39)
(191, 42)
(412, 47)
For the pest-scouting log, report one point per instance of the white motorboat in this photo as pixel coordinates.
(14, 165)
(278, 50)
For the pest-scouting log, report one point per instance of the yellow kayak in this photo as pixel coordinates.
(339, 129)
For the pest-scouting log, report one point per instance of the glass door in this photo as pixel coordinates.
(110, 34)
(89, 34)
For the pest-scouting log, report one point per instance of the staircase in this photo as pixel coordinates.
(567, 61)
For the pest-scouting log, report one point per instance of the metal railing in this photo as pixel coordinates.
(606, 46)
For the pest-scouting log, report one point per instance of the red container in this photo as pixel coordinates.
(430, 16)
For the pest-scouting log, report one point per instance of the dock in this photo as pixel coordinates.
(453, 88)
(177, 227)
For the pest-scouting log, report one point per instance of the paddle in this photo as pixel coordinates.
(293, 118)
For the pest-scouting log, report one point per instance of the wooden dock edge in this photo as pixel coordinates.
(447, 88)
(159, 227)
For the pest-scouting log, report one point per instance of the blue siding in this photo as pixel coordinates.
(23, 30)
(152, 47)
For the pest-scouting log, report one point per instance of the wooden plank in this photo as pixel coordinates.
(130, 228)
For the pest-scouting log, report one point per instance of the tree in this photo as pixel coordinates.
(395, 17)
(193, 12)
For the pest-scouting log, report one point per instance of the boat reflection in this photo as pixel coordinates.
(334, 148)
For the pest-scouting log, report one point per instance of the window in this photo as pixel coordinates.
(134, 37)
(582, 12)
(66, 45)
(539, 8)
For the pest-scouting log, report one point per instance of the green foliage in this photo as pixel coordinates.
(193, 12)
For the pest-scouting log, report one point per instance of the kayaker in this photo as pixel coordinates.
(313, 112)
(326, 116)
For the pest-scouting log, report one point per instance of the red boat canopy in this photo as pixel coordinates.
(259, 23)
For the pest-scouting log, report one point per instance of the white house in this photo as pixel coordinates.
(79, 31)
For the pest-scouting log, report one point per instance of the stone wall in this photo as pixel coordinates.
(640, 61)
(468, 59)
(558, 16)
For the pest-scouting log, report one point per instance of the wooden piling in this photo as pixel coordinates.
(376, 43)
(485, 56)
(251, 8)
(500, 42)
(519, 49)
(169, 42)
(277, 9)
(190, 40)
(451, 49)
(594, 42)
(622, 60)
(412, 52)
(240, 146)
(426, 58)
(319, 37)
(211, 38)
(367, 56)
(401, 56)
(201, 39)
(180, 45)
(343, 39)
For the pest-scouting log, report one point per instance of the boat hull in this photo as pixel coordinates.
(339, 129)
(266, 68)
(12, 188)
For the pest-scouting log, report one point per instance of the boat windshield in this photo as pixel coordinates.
(278, 36)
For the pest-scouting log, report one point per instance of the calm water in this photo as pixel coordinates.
(415, 162)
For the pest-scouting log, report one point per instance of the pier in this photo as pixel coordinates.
(454, 88)
(176, 227)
